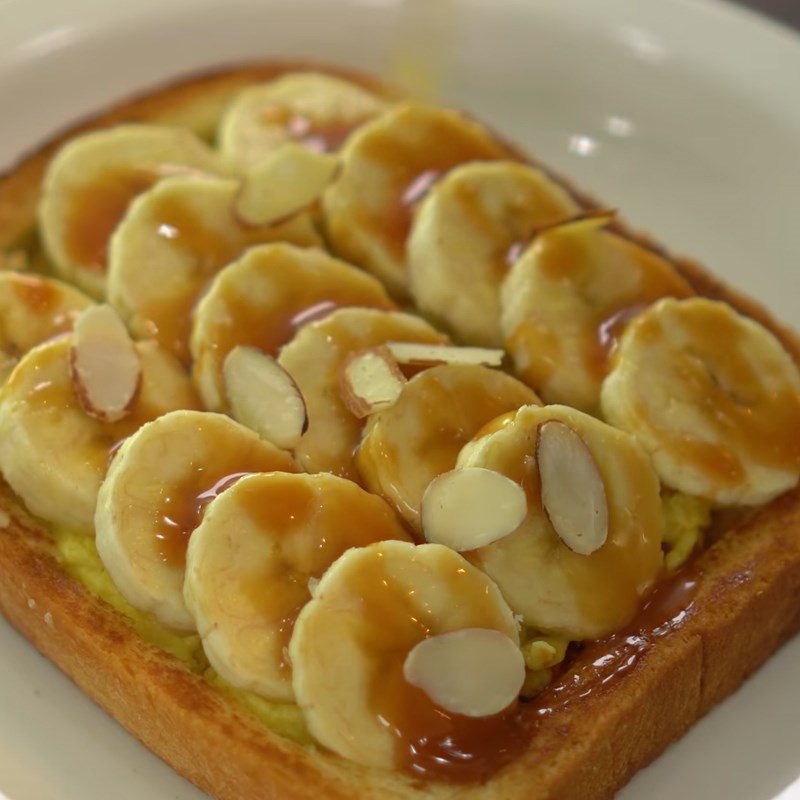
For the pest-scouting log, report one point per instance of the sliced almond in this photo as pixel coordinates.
(572, 489)
(370, 380)
(432, 354)
(286, 182)
(475, 671)
(471, 507)
(263, 396)
(106, 371)
(593, 219)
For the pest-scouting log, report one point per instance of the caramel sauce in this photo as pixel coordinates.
(289, 506)
(38, 294)
(722, 380)
(324, 137)
(429, 741)
(320, 453)
(421, 436)
(59, 394)
(339, 520)
(567, 258)
(561, 256)
(534, 337)
(184, 504)
(182, 510)
(313, 295)
(169, 318)
(42, 298)
(496, 424)
(412, 165)
(607, 585)
(453, 408)
(604, 662)
(511, 222)
(96, 209)
(437, 744)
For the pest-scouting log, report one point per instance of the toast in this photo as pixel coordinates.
(704, 635)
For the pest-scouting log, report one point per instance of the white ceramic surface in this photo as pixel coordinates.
(685, 114)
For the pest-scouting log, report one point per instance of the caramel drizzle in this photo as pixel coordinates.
(182, 511)
(603, 663)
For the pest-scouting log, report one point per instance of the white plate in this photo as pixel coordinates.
(685, 114)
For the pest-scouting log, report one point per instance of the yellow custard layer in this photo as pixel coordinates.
(686, 517)
(79, 558)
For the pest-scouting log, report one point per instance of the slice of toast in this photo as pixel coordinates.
(746, 603)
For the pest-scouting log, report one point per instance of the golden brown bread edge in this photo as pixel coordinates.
(747, 604)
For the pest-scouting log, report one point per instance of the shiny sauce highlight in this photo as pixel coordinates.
(95, 210)
(324, 137)
(412, 166)
(248, 320)
(602, 663)
(183, 507)
(336, 520)
(569, 257)
(429, 742)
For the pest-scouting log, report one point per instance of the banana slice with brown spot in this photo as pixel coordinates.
(352, 642)
(317, 110)
(33, 309)
(557, 589)
(155, 493)
(52, 453)
(465, 233)
(387, 166)
(91, 181)
(262, 299)
(170, 245)
(713, 396)
(405, 446)
(251, 562)
(567, 299)
(314, 358)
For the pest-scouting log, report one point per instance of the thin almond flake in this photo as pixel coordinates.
(370, 380)
(105, 366)
(432, 354)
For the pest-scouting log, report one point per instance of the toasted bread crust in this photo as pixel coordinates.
(747, 604)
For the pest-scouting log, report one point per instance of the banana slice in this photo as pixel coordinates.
(314, 358)
(464, 235)
(387, 166)
(32, 310)
(405, 446)
(92, 179)
(713, 397)
(173, 240)
(154, 495)
(566, 300)
(52, 453)
(261, 299)
(253, 558)
(351, 642)
(552, 586)
(317, 110)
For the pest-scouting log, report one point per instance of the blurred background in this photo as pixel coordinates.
(787, 11)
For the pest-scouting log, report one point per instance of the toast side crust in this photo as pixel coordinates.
(747, 605)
